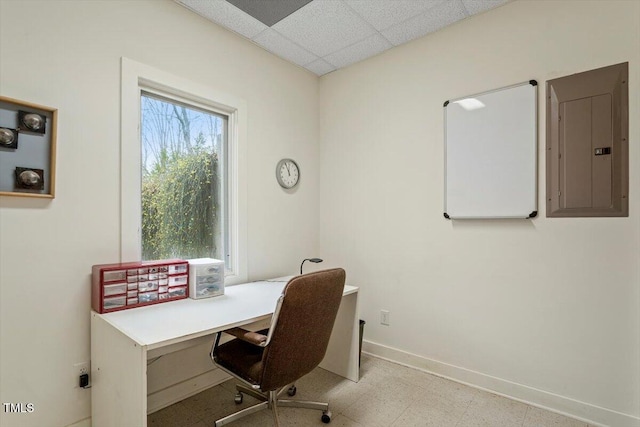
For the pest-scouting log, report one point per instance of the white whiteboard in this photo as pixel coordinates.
(490, 154)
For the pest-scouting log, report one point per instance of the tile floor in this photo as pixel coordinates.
(388, 395)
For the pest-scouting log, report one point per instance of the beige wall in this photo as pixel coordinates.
(545, 310)
(66, 54)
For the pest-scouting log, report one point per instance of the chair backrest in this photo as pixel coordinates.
(304, 323)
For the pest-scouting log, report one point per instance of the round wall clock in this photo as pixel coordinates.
(287, 173)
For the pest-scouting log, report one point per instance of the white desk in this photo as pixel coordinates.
(123, 341)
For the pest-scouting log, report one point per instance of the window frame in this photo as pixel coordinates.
(136, 78)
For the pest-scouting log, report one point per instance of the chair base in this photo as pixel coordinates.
(271, 401)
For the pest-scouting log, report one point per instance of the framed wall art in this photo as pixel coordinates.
(27, 149)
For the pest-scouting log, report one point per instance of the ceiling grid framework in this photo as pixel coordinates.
(325, 35)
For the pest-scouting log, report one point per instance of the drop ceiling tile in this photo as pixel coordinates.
(478, 6)
(269, 12)
(283, 47)
(383, 14)
(432, 20)
(370, 46)
(320, 67)
(324, 26)
(327, 34)
(227, 15)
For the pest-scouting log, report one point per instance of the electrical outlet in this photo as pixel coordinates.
(80, 369)
(384, 317)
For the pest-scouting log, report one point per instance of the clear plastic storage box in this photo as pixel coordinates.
(206, 277)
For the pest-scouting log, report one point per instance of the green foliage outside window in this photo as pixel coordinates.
(178, 216)
(180, 181)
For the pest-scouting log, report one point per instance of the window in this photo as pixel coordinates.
(183, 168)
(183, 182)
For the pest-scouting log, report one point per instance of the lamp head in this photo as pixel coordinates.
(314, 260)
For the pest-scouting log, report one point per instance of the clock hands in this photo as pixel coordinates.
(292, 176)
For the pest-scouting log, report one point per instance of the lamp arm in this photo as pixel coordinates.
(315, 260)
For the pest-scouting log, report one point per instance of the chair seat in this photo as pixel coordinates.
(242, 358)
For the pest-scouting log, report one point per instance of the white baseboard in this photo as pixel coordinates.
(591, 414)
(82, 423)
(184, 389)
(177, 392)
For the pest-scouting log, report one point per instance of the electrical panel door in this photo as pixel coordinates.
(587, 144)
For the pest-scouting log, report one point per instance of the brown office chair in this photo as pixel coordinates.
(270, 361)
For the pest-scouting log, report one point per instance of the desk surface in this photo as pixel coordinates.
(162, 324)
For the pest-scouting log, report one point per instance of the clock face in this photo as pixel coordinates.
(287, 173)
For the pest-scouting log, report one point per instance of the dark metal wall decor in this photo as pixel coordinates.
(27, 169)
(8, 138)
(29, 179)
(32, 122)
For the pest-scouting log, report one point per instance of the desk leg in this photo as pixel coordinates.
(118, 377)
(343, 353)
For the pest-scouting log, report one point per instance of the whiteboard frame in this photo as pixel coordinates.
(528, 161)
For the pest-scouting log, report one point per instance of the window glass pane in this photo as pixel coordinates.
(183, 185)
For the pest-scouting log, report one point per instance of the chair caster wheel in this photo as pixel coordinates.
(238, 398)
(326, 417)
(292, 390)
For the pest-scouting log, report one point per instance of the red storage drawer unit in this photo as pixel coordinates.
(134, 284)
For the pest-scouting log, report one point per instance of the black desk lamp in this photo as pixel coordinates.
(316, 260)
